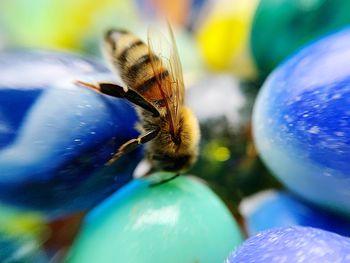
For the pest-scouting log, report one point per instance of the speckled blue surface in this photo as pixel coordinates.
(287, 210)
(293, 244)
(55, 136)
(301, 122)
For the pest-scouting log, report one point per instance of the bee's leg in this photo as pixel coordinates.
(115, 90)
(133, 144)
(165, 180)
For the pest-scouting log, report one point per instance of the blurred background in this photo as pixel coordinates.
(227, 48)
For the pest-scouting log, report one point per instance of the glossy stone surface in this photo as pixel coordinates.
(179, 221)
(282, 27)
(293, 244)
(55, 136)
(301, 122)
(288, 210)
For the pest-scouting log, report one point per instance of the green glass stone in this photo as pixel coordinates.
(281, 27)
(178, 221)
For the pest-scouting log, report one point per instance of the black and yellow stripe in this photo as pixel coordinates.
(141, 63)
(138, 69)
(150, 83)
(124, 54)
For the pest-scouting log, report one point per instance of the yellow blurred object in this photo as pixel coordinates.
(17, 223)
(86, 16)
(26, 224)
(217, 152)
(222, 154)
(63, 23)
(223, 37)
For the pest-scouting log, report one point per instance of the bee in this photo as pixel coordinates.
(168, 128)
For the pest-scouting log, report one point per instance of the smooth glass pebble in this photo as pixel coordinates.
(21, 250)
(282, 27)
(288, 210)
(55, 136)
(301, 122)
(179, 221)
(293, 244)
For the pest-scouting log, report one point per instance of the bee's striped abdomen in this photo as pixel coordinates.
(148, 85)
(138, 69)
(123, 56)
(138, 66)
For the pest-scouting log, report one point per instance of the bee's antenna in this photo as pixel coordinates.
(165, 180)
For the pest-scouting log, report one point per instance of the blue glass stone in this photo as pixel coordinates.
(20, 250)
(21, 236)
(301, 122)
(288, 210)
(293, 244)
(55, 136)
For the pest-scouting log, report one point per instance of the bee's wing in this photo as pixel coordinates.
(176, 74)
(166, 50)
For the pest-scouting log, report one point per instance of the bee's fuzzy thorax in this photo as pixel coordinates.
(190, 132)
(163, 145)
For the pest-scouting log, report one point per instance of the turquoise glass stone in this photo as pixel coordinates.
(179, 221)
(282, 27)
(55, 136)
(301, 122)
